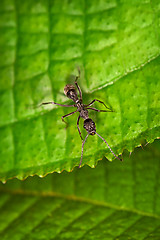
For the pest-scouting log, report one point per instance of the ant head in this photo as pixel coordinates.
(90, 126)
(70, 91)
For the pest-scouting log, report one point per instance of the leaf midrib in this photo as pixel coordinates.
(78, 199)
(142, 65)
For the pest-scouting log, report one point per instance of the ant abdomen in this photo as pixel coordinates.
(90, 126)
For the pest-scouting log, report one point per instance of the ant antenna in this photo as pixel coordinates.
(109, 147)
(82, 149)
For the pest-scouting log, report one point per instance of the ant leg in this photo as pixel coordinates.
(79, 90)
(79, 128)
(109, 147)
(97, 101)
(97, 110)
(69, 114)
(82, 149)
(62, 105)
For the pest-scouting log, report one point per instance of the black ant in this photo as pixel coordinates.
(89, 125)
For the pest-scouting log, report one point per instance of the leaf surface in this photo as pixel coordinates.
(117, 47)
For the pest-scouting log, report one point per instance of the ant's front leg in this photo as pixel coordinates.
(67, 115)
(62, 105)
(79, 128)
(96, 100)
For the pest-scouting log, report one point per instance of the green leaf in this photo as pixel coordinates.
(116, 45)
(113, 201)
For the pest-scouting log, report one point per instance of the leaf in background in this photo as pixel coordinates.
(113, 201)
(41, 43)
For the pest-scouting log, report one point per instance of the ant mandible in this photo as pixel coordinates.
(89, 125)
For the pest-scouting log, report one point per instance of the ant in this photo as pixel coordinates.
(89, 125)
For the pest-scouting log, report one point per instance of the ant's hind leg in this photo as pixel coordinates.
(79, 128)
(67, 115)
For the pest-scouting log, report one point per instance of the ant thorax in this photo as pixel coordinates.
(83, 113)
